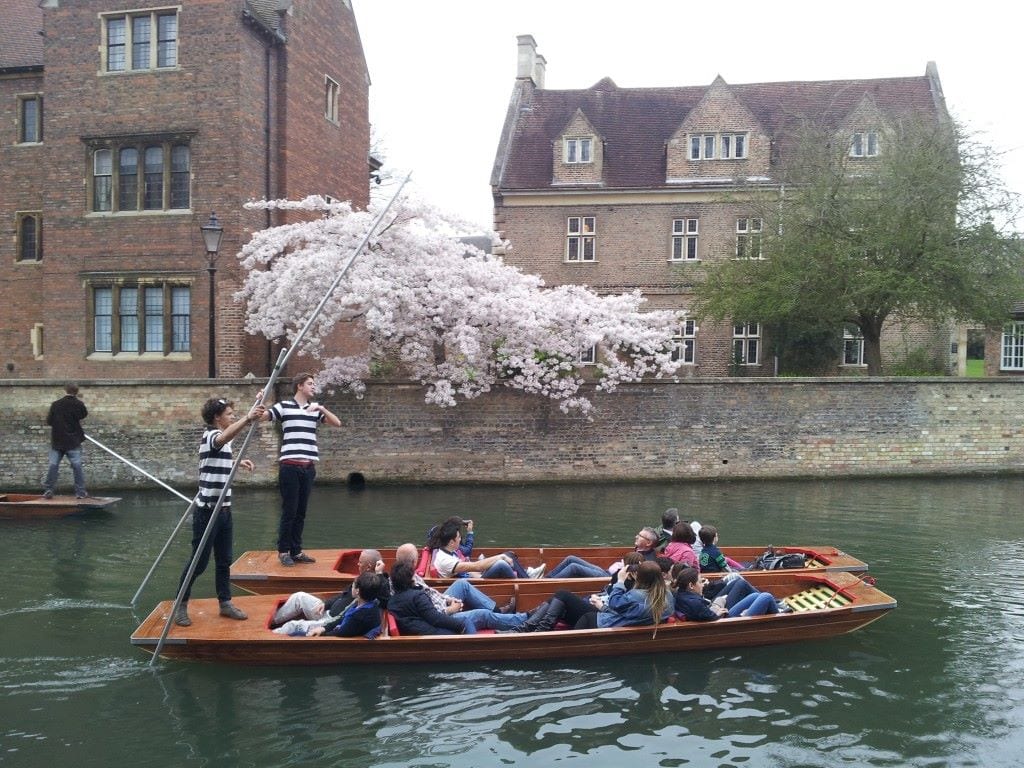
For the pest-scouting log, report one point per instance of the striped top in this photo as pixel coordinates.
(214, 467)
(298, 427)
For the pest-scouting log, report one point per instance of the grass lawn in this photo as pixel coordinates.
(976, 368)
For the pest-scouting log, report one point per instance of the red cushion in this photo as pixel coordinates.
(425, 557)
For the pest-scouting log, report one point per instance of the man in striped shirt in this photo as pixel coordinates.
(299, 418)
(214, 467)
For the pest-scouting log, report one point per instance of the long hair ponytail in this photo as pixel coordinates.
(650, 580)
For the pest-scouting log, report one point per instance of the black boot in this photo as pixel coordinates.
(532, 619)
(551, 616)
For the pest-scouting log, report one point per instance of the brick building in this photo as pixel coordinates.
(122, 126)
(634, 188)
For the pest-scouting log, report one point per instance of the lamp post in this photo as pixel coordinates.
(212, 233)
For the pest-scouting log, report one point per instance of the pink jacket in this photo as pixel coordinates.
(681, 552)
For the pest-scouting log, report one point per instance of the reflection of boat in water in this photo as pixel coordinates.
(262, 573)
(29, 505)
(823, 605)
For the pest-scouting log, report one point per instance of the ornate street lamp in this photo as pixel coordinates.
(212, 233)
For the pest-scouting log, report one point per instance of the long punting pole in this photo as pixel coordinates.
(158, 481)
(282, 361)
(138, 469)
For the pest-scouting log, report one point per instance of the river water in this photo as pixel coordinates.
(939, 681)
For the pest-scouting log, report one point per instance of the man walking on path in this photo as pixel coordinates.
(66, 437)
(299, 419)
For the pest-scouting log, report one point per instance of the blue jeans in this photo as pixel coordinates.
(734, 590)
(481, 618)
(220, 543)
(75, 457)
(471, 597)
(295, 484)
(755, 604)
(503, 570)
(576, 568)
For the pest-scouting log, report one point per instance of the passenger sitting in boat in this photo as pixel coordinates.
(369, 562)
(680, 548)
(449, 564)
(692, 605)
(646, 543)
(415, 612)
(464, 601)
(711, 559)
(573, 567)
(465, 546)
(669, 518)
(731, 587)
(647, 603)
(362, 616)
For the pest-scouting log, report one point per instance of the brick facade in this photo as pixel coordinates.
(692, 430)
(247, 99)
(668, 158)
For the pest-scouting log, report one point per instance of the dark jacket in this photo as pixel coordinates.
(693, 607)
(337, 604)
(65, 420)
(364, 620)
(416, 615)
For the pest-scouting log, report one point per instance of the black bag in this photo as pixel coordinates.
(774, 561)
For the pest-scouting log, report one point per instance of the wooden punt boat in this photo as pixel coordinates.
(30, 505)
(261, 573)
(824, 605)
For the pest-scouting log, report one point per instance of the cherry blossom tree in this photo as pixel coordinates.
(457, 319)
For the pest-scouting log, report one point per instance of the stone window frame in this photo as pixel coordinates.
(21, 221)
(332, 93)
(684, 239)
(130, 46)
(587, 356)
(853, 347)
(169, 143)
(717, 146)
(733, 145)
(23, 100)
(746, 344)
(581, 239)
(684, 343)
(578, 150)
(749, 233)
(1011, 347)
(865, 144)
(175, 339)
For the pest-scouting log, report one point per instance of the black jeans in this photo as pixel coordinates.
(220, 544)
(295, 484)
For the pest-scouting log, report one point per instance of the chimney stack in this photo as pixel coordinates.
(529, 64)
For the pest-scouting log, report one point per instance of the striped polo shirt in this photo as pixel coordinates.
(298, 430)
(214, 468)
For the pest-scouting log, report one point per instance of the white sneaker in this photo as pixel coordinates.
(536, 573)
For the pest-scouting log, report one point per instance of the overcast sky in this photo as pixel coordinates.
(442, 71)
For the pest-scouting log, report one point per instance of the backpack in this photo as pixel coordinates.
(774, 561)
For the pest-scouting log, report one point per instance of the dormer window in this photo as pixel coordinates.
(579, 150)
(864, 144)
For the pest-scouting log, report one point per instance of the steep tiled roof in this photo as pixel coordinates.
(636, 123)
(21, 40)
